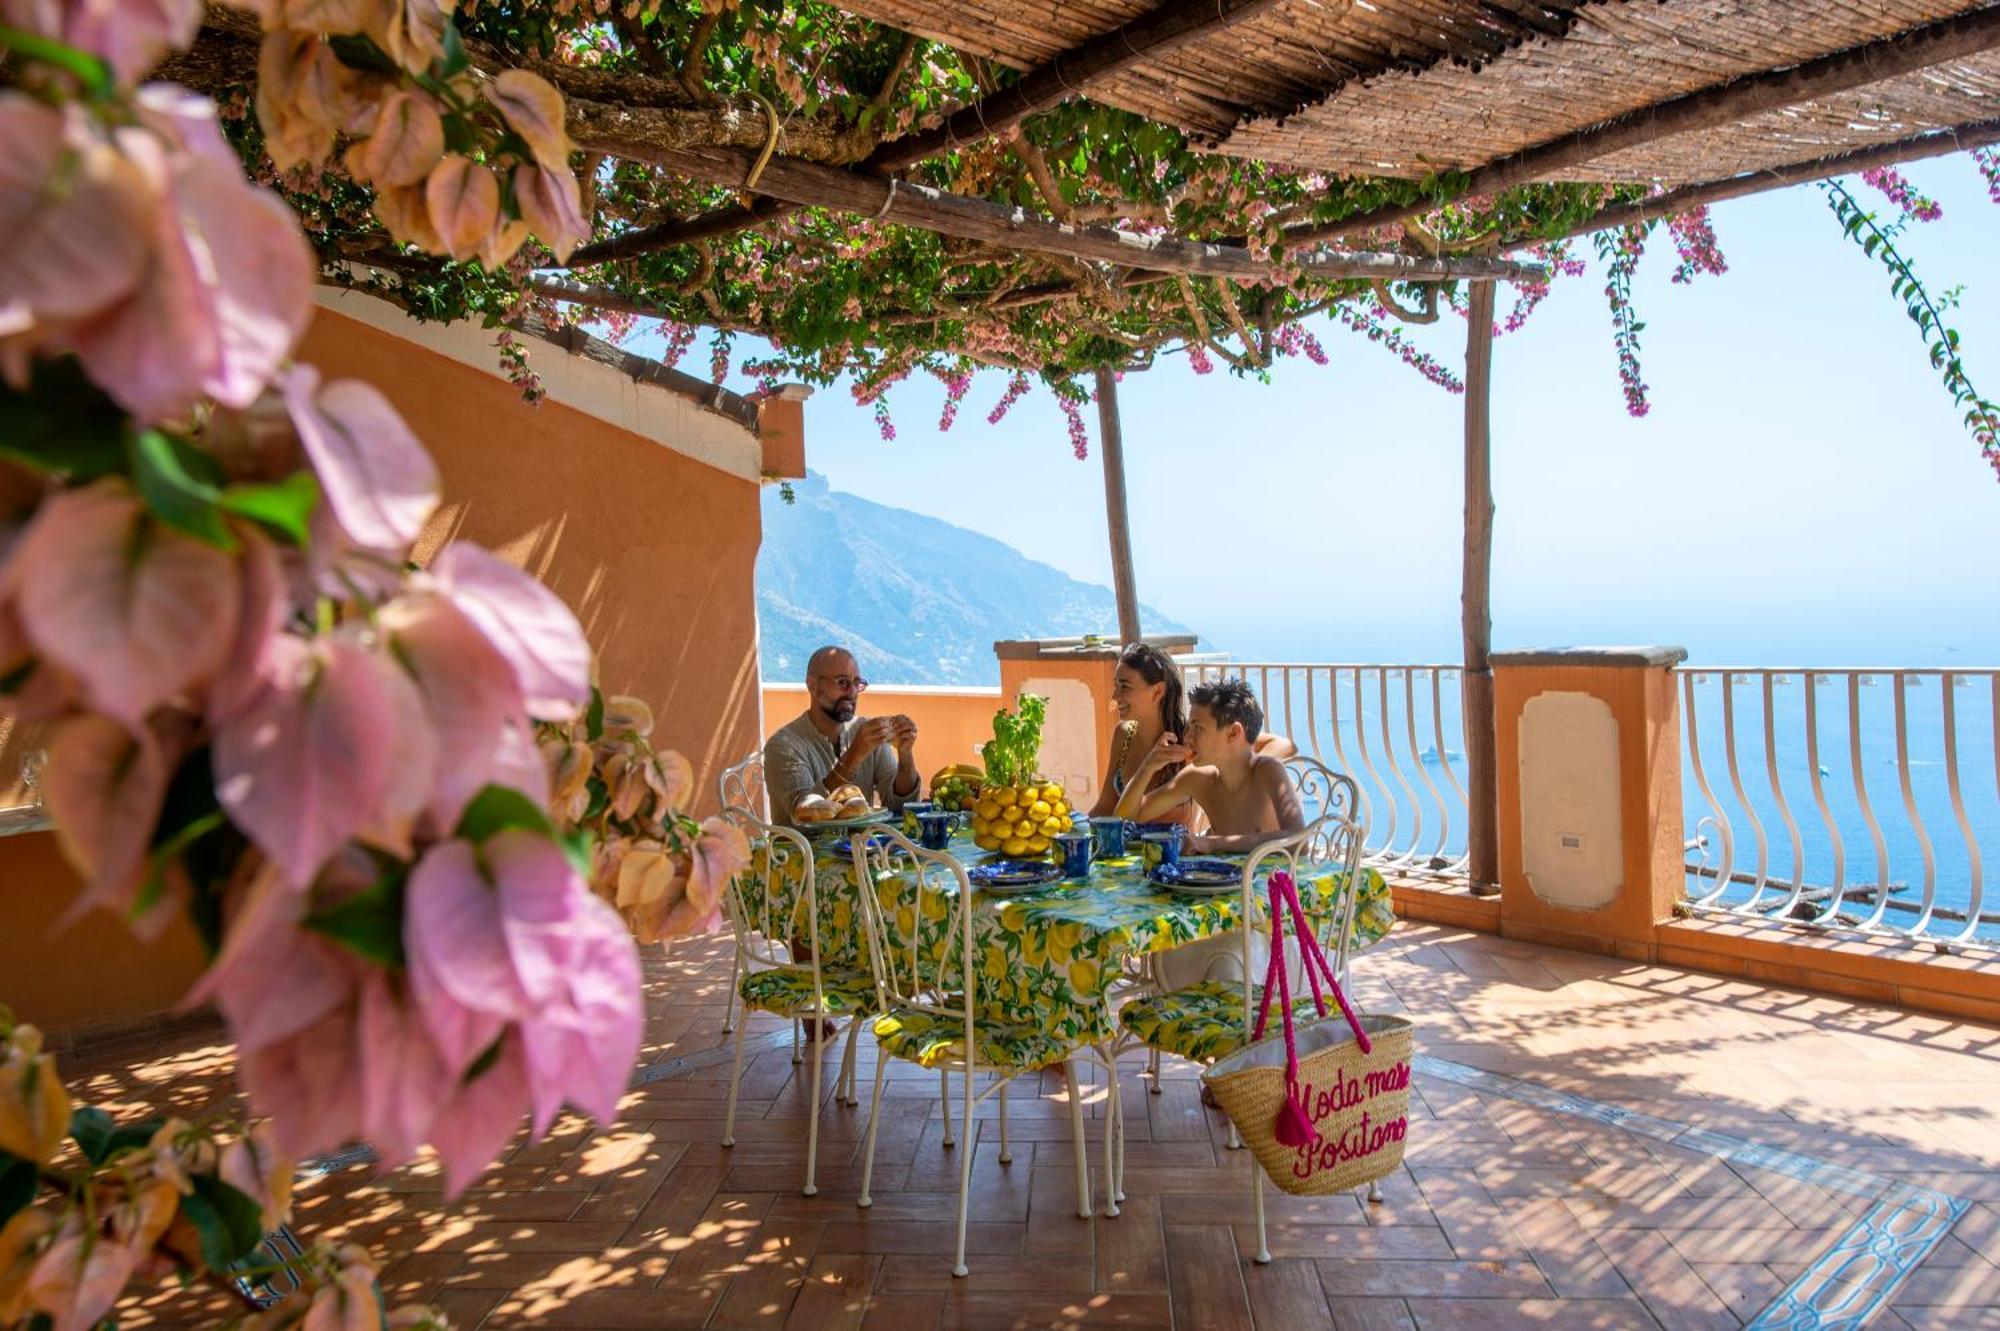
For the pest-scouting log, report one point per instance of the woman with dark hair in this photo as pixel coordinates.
(1150, 700)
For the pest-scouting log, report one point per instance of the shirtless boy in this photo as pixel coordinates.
(1247, 795)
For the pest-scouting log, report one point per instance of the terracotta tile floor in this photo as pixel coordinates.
(1514, 1207)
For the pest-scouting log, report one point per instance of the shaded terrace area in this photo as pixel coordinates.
(1581, 1156)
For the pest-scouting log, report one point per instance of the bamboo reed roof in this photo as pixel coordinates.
(1409, 87)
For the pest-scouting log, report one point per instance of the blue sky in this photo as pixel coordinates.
(1802, 491)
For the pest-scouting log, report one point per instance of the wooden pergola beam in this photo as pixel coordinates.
(812, 185)
(1721, 104)
(1936, 143)
(1153, 34)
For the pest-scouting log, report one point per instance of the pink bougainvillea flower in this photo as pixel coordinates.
(410, 32)
(380, 486)
(533, 109)
(256, 653)
(73, 220)
(470, 693)
(273, 979)
(484, 1114)
(225, 288)
(407, 142)
(306, 96)
(403, 1079)
(104, 786)
(533, 951)
(335, 745)
(526, 621)
(79, 1277)
(135, 610)
(131, 36)
(552, 205)
(306, 1084)
(406, 213)
(720, 853)
(464, 201)
(672, 778)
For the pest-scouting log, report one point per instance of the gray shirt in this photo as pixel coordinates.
(798, 758)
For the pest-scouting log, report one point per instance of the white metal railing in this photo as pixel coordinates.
(1396, 729)
(1902, 863)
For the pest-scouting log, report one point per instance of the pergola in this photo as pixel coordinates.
(1672, 104)
(1703, 100)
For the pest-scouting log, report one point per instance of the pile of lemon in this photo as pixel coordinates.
(1020, 820)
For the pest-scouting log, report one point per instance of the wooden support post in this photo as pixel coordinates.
(1482, 836)
(1111, 444)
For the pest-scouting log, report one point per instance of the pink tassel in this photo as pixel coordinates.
(1292, 1127)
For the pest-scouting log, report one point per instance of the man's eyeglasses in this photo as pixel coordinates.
(846, 682)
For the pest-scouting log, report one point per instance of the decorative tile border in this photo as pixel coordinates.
(1848, 1283)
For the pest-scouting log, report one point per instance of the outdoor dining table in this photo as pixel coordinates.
(1047, 957)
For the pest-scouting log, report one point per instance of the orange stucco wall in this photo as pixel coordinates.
(95, 973)
(951, 723)
(654, 551)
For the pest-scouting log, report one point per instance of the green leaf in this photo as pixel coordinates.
(285, 506)
(101, 1139)
(593, 717)
(230, 1223)
(17, 1185)
(577, 845)
(62, 424)
(456, 61)
(369, 923)
(165, 470)
(498, 808)
(484, 1063)
(357, 52)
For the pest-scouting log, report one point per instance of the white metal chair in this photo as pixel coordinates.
(813, 989)
(1205, 1021)
(743, 803)
(931, 1014)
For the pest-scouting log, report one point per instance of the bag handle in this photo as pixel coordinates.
(1284, 903)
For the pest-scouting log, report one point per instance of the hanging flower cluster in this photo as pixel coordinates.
(459, 165)
(1621, 250)
(1694, 242)
(1070, 396)
(1368, 320)
(1895, 187)
(1988, 161)
(957, 380)
(664, 872)
(1017, 384)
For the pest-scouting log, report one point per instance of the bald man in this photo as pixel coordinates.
(828, 745)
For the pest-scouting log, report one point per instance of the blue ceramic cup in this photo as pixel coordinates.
(1110, 836)
(1075, 848)
(935, 828)
(1167, 842)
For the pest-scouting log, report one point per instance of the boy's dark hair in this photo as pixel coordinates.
(1230, 701)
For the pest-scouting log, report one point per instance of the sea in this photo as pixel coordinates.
(1888, 815)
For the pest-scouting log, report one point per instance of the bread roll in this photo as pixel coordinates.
(812, 808)
(846, 794)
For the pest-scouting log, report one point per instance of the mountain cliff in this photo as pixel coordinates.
(919, 600)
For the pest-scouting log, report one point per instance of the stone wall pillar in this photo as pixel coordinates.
(1589, 784)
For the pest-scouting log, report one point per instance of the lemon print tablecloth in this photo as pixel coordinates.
(1048, 960)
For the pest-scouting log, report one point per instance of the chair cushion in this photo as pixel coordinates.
(930, 1038)
(788, 990)
(1201, 1022)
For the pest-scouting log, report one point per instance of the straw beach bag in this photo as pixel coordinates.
(1325, 1107)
